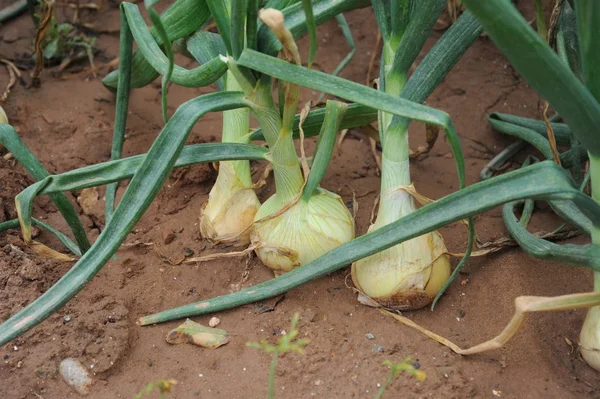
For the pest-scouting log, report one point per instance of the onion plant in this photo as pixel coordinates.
(408, 275)
(556, 78)
(226, 217)
(398, 101)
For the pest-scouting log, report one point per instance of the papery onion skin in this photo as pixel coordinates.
(3, 117)
(589, 338)
(305, 231)
(226, 217)
(406, 276)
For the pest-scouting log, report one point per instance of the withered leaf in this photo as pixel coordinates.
(197, 334)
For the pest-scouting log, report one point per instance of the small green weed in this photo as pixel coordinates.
(286, 343)
(163, 386)
(405, 366)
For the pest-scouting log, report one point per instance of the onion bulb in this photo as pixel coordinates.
(408, 275)
(230, 209)
(3, 117)
(303, 232)
(589, 338)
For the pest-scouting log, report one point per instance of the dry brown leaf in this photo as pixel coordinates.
(197, 334)
(523, 305)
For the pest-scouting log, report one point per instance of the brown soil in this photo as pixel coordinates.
(67, 123)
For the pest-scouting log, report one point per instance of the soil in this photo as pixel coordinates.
(67, 123)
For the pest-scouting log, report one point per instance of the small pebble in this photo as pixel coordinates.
(169, 238)
(75, 375)
(67, 318)
(318, 382)
(188, 252)
(369, 336)
(214, 321)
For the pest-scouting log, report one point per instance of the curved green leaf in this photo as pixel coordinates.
(113, 171)
(312, 30)
(205, 46)
(588, 15)
(561, 131)
(147, 45)
(356, 115)
(181, 19)
(540, 66)
(142, 189)
(121, 108)
(66, 241)
(168, 46)
(567, 40)
(334, 112)
(571, 254)
(357, 93)
(442, 57)
(220, 14)
(419, 27)
(295, 20)
(10, 139)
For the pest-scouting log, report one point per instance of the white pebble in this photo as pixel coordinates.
(75, 375)
(214, 321)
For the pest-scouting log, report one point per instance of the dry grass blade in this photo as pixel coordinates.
(374, 53)
(554, 22)
(354, 202)
(523, 305)
(263, 178)
(340, 140)
(93, 69)
(210, 257)
(96, 29)
(47, 252)
(13, 74)
(47, 12)
(374, 210)
(551, 136)
(303, 115)
(551, 37)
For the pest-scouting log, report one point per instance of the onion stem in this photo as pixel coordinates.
(595, 186)
(286, 169)
(236, 125)
(590, 332)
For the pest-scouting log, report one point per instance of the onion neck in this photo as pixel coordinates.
(286, 169)
(590, 331)
(395, 172)
(395, 168)
(595, 183)
(236, 124)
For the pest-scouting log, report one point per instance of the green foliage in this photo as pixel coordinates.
(64, 40)
(163, 386)
(285, 343)
(397, 368)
